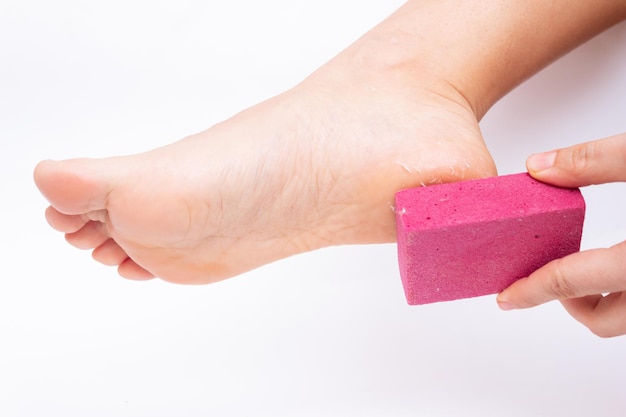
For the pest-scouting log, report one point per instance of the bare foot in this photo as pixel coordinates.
(316, 166)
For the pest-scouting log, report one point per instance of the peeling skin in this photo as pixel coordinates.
(405, 166)
(458, 170)
(408, 168)
(400, 212)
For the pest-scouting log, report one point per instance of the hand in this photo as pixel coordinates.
(580, 279)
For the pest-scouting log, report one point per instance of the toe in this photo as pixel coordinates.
(76, 186)
(109, 253)
(91, 235)
(65, 223)
(130, 270)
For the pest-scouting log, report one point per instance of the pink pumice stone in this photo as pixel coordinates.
(477, 237)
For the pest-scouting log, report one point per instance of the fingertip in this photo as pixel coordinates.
(519, 295)
(544, 167)
(540, 162)
(505, 305)
(505, 300)
(587, 163)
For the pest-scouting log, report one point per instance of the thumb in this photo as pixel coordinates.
(595, 162)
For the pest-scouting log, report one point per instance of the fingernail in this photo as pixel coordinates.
(541, 161)
(506, 306)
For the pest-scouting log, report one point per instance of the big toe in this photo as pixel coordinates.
(75, 186)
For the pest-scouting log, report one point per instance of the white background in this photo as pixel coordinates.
(325, 333)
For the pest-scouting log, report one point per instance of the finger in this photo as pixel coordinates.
(91, 235)
(109, 253)
(130, 270)
(605, 316)
(584, 273)
(595, 162)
